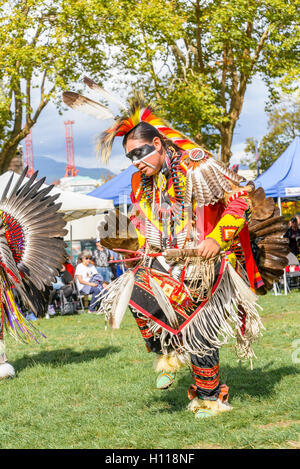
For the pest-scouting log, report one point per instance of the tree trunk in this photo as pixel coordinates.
(227, 128)
(10, 147)
(17, 163)
(226, 142)
(6, 156)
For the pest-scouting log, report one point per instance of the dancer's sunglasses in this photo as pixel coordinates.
(140, 153)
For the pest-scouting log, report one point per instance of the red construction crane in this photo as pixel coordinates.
(70, 167)
(29, 154)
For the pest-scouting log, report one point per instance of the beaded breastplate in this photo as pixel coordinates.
(162, 203)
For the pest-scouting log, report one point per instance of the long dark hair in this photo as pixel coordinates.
(146, 132)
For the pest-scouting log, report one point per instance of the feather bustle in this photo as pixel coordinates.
(32, 216)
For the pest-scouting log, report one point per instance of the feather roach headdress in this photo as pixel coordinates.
(137, 111)
(207, 179)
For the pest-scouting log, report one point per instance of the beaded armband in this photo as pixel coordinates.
(233, 220)
(226, 230)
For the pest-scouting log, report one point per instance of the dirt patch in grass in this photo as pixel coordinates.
(205, 446)
(271, 317)
(294, 444)
(282, 424)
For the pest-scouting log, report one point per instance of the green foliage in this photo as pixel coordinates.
(284, 126)
(196, 58)
(84, 387)
(45, 45)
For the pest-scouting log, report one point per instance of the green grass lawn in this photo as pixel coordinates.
(84, 387)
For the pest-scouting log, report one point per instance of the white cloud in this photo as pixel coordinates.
(253, 119)
(237, 153)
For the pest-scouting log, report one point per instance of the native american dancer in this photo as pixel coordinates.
(192, 279)
(31, 255)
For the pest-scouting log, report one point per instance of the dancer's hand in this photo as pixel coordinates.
(208, 248)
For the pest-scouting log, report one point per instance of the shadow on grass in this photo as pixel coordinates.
(61, 357)
(241, 381)
(259, 382)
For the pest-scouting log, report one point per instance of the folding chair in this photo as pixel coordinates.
(79, 295)
(292, 272)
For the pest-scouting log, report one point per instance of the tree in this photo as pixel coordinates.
(195, 58)
(284, 126)
(45, 45)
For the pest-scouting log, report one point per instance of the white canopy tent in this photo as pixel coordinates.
(74, 205)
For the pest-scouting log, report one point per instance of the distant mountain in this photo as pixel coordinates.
(54, 170)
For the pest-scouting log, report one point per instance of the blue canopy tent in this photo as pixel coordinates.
(282, 179)
(118, 188)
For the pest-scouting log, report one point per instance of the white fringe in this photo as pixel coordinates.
(217, 321)
(3, 358)
(115, 298)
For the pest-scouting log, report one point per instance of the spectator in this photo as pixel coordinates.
(67, 279)
(63, 283)
(114, 266)
(293, 234)
(102, 257)
(88, 280)
(53, 293)
(69, 267)
(118, 267)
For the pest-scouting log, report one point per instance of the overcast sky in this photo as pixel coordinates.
(49, 133)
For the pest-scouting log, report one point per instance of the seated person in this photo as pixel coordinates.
(293, 234)
(53, 294)
(67, 279)
(69, 267)
(63, 283)
(88, 280)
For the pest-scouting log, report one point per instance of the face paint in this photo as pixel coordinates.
(143, 160)
(141, 153)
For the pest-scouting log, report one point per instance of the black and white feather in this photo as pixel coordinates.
(208, 181)
(86, 105)
(32, 249)
(105, 94)
(115, 298)
(90, 107)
